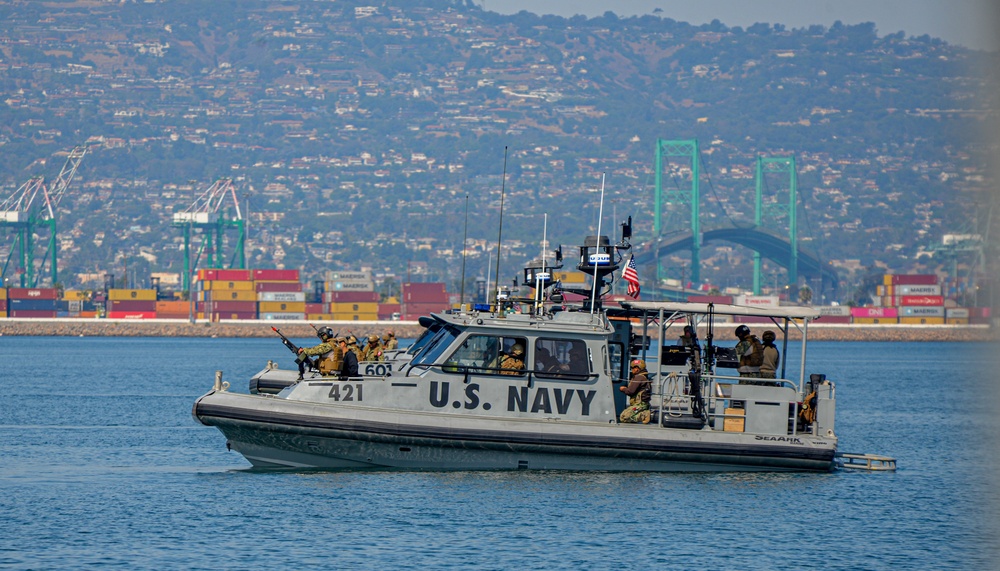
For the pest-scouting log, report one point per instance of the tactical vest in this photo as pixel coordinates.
(331, 361)
(750, 361)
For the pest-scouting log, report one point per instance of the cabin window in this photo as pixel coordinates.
(488, 355)
(616, 352)
(436, 346)
(562, 358)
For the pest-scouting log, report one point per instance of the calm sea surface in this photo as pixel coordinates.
(102, 466)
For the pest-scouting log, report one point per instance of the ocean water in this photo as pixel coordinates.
(102, 466)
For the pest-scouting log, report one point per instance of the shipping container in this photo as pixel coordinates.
(914, 279)
(956, 312)
(921, 311)
(917, 290)
(3, 305)
(31, 313)
(355, 317)
(315, 308)
(429, 291)
(132, 294)
(350, 296)
(231, 306)
(834, 310)
(32, 293)
(129, 306)
(726, 299)
(232, 315)
(361, 307)
(833, 319)
(131, 315)
(213, 285)
(957, 320)
(227, 295)
(276, 275)
(3, 293)
(361, 285)
(319, 316)
(753, 319)
(570, 277)
(282, 296)
(338, 276)
(874, 320)
(282, 307)
(756, 300)
(887, 279)
(921, 320)
(32, 304)
(278, 286)
(75, 294)
(3, 314)
(874, 312)
(173, 307)
(277, 316)
(233, 275)
(921, 300)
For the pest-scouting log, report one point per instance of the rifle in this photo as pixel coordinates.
(299, 358)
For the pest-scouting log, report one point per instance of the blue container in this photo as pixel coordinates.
(32, 304)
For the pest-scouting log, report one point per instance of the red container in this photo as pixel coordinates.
(914, 279)
(3, 305)
(833, 319)
(424, 308)
(232, 306)
(162, 315)
(233, 275)
(129, 305)
(424, 292)
(286, 286)
(131, 315)
(207, 275)
(922, 300)
(32, 293)
(874, 312)
(710, 299)
(752, 319)
(279, 275)
(31, 313)
(351, 296)
(316, 308)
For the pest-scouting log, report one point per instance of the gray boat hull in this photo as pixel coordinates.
(278, 433)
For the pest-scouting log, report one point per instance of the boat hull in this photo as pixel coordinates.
(279, 433)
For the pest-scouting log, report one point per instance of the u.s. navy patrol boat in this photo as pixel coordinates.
(452, 402)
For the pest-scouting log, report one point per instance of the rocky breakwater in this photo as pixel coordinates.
(410, 330)
(167, 328)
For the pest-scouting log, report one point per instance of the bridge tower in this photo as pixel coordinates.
(683, 203)
(777, 210)
(208, 215)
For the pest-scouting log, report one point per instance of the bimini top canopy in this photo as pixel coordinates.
(787, 312)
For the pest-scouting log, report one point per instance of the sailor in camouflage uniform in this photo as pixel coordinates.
(513, 363)
(389, 341)
(640, 391)
(330, 354)
(373, 350)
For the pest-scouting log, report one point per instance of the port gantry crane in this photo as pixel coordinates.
(33, 206)
(209, 214)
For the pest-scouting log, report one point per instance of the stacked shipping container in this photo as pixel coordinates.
(423, 298)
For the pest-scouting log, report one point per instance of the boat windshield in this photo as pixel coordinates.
(437, 344)
(424, 338)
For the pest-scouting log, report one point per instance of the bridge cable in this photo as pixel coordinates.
(718, 201)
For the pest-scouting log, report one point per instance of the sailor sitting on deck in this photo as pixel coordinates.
(330, 354)
(640, 391)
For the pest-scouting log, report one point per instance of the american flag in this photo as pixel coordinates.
(630, 275)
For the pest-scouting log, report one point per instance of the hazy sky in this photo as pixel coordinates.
(972, 23)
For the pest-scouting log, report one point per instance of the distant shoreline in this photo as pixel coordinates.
(63, 327)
